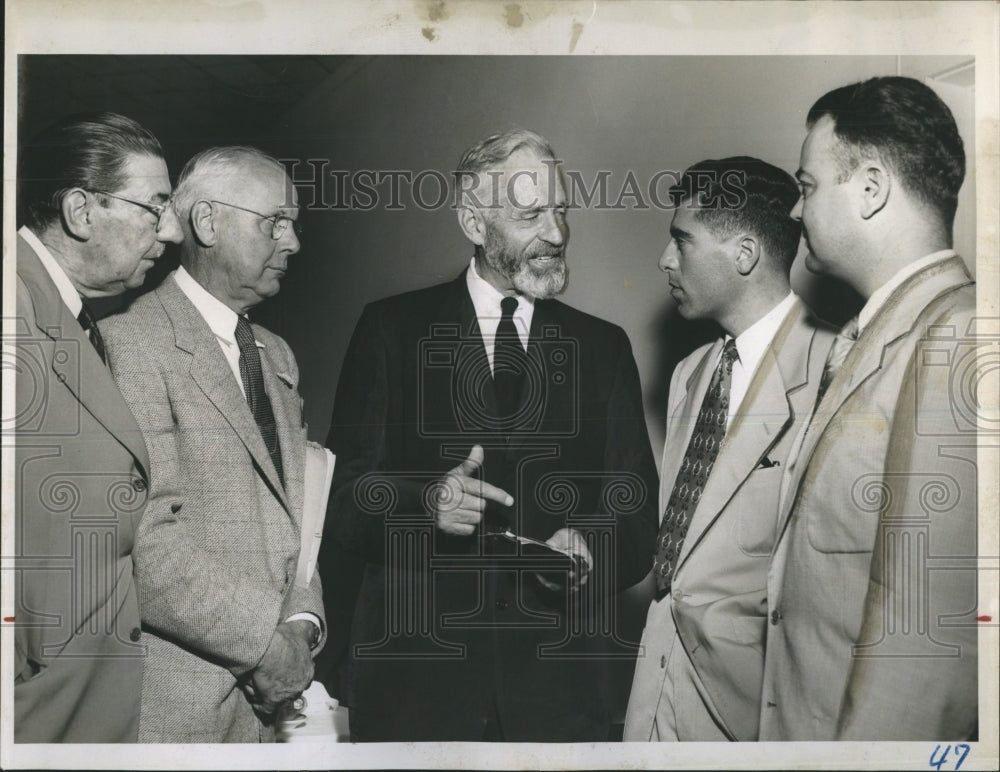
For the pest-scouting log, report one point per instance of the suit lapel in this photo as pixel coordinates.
(75, 362)
(893, 321)
(761, 420)
(210, 370)
(287, 414)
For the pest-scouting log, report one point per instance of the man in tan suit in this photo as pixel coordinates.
(732, 244)
(92, 197)
(230, 633)
(872, 592)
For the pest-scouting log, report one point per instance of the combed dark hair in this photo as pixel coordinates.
(497, 148)
(744, 193)
(909, 128)
(87, 150)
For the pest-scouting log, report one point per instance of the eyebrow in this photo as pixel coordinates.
(678, 233)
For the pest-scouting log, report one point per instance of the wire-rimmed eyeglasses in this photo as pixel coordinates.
(157, 209)
(279, 222)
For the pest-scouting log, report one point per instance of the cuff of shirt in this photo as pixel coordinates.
(310, 617)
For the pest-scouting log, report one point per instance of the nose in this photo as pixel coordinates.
(796, 213)
(555, 228)
(168, 229)
(668, 260)
(289, 241)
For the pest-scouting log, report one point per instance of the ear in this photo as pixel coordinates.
(473, 224)
(876, 183)
(77, 214)
(202, 224)
(748, 255)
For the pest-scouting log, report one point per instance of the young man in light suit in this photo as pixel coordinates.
(872, 594)
(230, 634)
(735, 408)
(93, 192)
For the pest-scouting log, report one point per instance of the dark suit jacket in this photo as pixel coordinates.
(216, 554)
(448, 627)
(80, 489)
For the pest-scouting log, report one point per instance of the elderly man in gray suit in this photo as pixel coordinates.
(231, 633)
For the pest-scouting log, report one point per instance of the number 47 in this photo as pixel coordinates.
(961, 751)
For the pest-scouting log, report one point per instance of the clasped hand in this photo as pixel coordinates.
(285, 670)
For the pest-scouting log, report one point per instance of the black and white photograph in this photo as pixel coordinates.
(507, 385)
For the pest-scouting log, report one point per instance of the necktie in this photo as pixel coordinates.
(89, 325)
(838, 353)
(253, 385)
(509, 361)
(702, 450)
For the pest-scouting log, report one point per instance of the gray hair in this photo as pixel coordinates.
(494, 150)
(213, 166)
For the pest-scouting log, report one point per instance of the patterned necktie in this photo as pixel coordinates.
(89, 325)
(838, 353)
(509, 361)
(702, 450)
(253, 385)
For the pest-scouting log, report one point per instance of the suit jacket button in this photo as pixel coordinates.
(663, 660)
(135, 635)
(138, 484)
(775, 616)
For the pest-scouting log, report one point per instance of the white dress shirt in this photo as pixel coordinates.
(486, 300)
(750, 346)
(67, 291)
(879, 296)
(221, 319)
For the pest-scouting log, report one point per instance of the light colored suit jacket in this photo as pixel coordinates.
(80, 489)
(872, 591)
(717, 604)
(217, 550)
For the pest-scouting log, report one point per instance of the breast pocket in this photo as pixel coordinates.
(757, 522)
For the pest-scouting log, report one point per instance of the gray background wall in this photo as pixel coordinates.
(620, 114)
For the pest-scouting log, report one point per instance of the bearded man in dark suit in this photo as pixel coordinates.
(469, 414)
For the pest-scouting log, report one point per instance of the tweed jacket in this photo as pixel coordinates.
(216, 553)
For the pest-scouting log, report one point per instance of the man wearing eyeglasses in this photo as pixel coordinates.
(92, 199)
(231, 636)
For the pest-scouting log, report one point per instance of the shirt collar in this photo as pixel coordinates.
(486, 296)
(879, 296)
(754, 340)
(221, 318)
(59, 277)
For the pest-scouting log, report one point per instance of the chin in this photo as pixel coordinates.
(540, 286)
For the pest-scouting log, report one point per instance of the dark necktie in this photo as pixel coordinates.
(89, 325)
(702, 450)
(838, 353)
(509, 361)
(253, 385)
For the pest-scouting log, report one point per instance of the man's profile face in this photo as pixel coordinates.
(128, 239)
(526, 233)
(249, 263)
(699, 265)
(824, 204)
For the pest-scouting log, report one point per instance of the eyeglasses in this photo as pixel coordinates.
(279, 222)
(157, 209)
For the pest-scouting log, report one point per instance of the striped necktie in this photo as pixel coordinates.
(253, 386)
